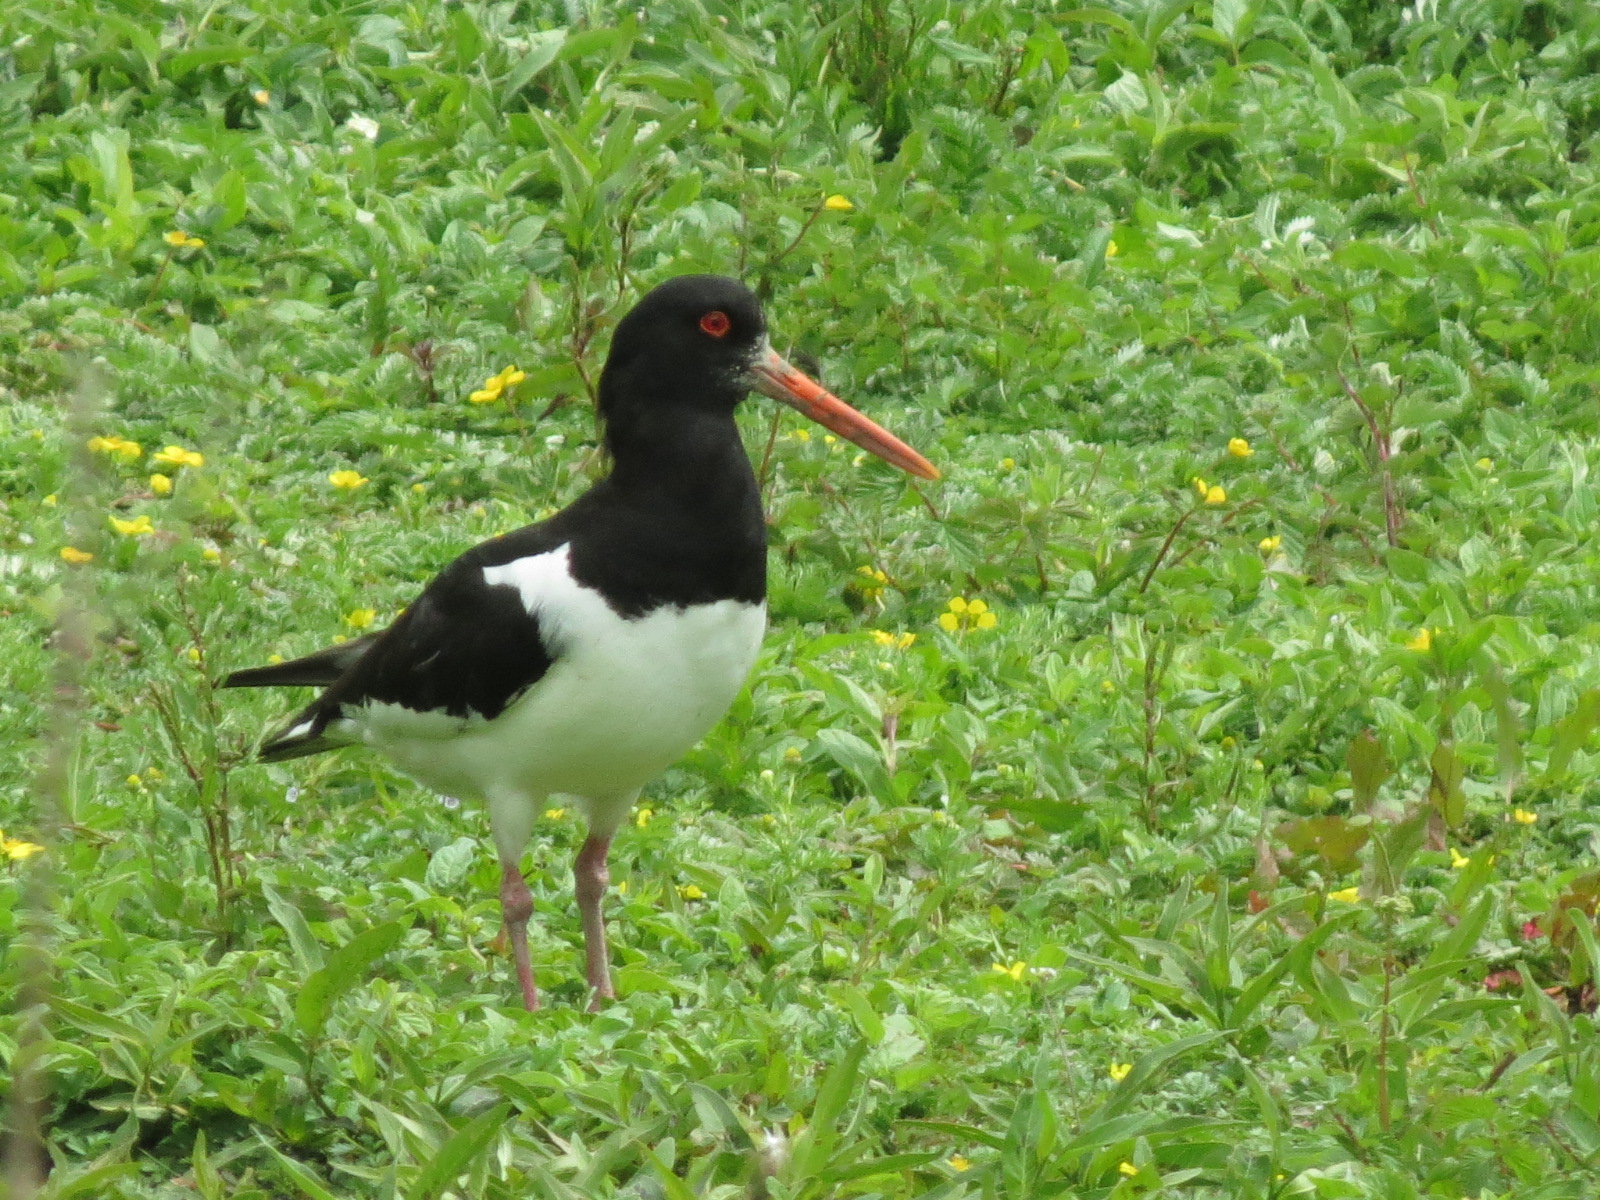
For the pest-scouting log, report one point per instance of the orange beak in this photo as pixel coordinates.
(772, 376)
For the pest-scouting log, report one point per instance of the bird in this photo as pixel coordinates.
(582, 655)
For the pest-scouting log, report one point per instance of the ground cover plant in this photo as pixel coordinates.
(1192, 794)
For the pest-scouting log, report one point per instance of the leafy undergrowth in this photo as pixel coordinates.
(1239, 843)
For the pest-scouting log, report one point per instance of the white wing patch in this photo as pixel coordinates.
(622, 700)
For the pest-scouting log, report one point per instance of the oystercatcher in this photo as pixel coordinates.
(584, 654)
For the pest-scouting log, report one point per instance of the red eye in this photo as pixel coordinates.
(716, 324)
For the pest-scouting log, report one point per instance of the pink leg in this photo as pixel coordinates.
(591, 878)
(516, 906)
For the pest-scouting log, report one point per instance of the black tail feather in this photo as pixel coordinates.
(320, 669)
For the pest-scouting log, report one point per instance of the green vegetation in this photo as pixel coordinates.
(1249, 851)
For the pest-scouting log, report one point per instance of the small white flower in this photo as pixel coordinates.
(365, 126)
(363, 217)
(449, 802)
(293, 794)
(556, 440)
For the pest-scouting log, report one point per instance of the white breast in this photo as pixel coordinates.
(622, 701)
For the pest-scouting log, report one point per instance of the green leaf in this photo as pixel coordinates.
(457, 1153)
(345, 966)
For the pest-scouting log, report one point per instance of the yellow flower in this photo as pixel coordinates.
(1200, 486)
(642, 818)
(75, 556)
(484, 395)
(1119, 1071)
(872, 588)
(959, 1162)
(792, 754)
(121, 448)
(16, 849)
(50, 501)
(1239, 448)
(838, 203)
(1008, 464)
(261, 96)
(1523, 817)
(691, 891)
(1485, 465)
(1349, 895)
(898, 641)
(510, 377)
(1269, 544)
(1111, 249)
(1127, 1169)
(134, 781)
(161, 484)
(967, 614)
(347, 480)
(622, 888)
(178, 237)
(555, 814)
(800, 435)
(360, 618)
(177, 456)
(137, 527)
(1016, 970)
(211, 554)
(1216, 494)
(1458, 859)
(1423, 642)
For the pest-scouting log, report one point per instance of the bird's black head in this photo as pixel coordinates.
(689, 344)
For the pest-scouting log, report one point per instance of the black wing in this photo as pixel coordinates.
(464, 648)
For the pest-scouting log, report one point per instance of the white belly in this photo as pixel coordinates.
(622, 701)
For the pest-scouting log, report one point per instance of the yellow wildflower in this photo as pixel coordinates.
(1119, 1071)
(16, 849)
(1216, 494)
(691, 891)
(1458, 859)
(1268, 545)
(555, 814)
(419, 488)
(178, 237)
(211, 554)
(261, 96)
(959, 1162)
(1423, 642)
(1349, 895)
(1200, 486)
(967, 614)
(1127, 1169)
(135, 781)
(1523, 817)
(161, 484)
(177, 456)
(137, 527)
(1239, 448)
(838, 203)
(347, 480)
(1008, 464)
(1111, 249)
(484, 395)
(50, 501)
(1016, 970)
(360, 618)
(898, 641)
(75, 556)
(800, 435)
(642, 818)
(121, 448)
(872, 587)
(1485, 465)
